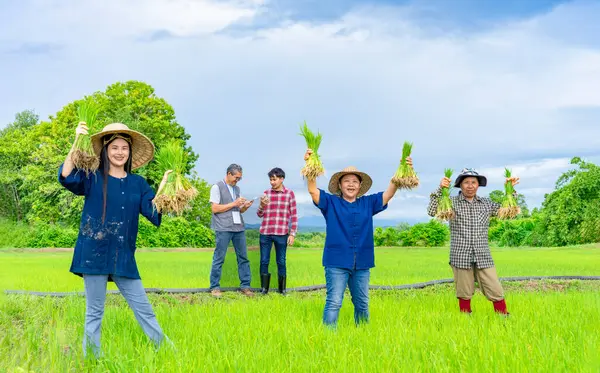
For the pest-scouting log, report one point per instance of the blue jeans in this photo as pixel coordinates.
(266, 241)
(241, 252)
(134, 293)
(336, 280)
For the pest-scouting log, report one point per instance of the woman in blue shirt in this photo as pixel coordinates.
(349, 252)
(106, 244)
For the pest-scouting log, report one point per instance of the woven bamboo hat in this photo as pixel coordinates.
(142, 149)
(365, 185)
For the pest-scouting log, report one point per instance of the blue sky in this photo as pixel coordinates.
(484, 84)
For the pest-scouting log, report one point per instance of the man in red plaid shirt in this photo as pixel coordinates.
(278, 210)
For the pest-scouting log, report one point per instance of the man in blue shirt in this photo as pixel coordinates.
(349, 251)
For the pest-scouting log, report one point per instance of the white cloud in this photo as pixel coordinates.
(542, 170)
(70, 21)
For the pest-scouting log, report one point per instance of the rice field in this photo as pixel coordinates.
(553, 324)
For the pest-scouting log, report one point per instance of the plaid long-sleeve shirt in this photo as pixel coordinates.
(279, 213)
(469, 229)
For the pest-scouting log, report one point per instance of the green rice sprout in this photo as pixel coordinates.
(510, 209)
(178, 191)
(313, 167)
(83, 155)
(445, 210)
(405, 176)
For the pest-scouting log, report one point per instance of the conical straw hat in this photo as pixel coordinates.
(142, 149)
(365, 185)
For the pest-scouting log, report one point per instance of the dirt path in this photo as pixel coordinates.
(512, 284)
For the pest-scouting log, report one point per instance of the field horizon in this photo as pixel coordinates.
(552, 324)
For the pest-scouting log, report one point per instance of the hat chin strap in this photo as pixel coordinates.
(117, 136)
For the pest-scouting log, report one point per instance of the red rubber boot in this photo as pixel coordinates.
(500, 307)
(465, 305)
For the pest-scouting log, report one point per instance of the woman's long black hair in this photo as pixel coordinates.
(105, 165)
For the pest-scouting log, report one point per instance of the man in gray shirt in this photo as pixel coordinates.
(227, 207)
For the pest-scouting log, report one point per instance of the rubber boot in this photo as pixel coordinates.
(464, 305)
(265, 281)
(500, 307)
(282, 290)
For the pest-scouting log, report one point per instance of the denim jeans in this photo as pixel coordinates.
(241, 252)
(266, 241)
(134, 293)
(336, 281)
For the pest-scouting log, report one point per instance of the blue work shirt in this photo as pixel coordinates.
(109, 248)
(349, 239)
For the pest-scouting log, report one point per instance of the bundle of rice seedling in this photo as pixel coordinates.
(178, 191)
(313, 167)
(83, 155)
(445, 210)
(406, 177)
(510, 208)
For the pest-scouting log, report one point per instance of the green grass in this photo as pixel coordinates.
(553, 324)
(32, 270)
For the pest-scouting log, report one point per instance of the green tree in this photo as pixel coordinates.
(571, 213)
(23, 121)
(14, 156)
(42, 147)
(402, 226)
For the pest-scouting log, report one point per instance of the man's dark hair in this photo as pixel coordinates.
(234, 168)
(277, 172)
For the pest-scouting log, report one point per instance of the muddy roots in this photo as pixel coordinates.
(509, 212)
(410, 182)
(175, 204)
(445, 215)
(311, 173)
(86, 162)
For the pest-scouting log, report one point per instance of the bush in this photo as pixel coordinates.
(386, 236)
(14, 235)
(512, 233)
(310, 240)
(52, 235)
(306, 240)
(252, 237)
(174, 232)
(431, 234)
(38, 235)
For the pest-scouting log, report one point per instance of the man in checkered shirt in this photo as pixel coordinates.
(470, 256)
(278, 210)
